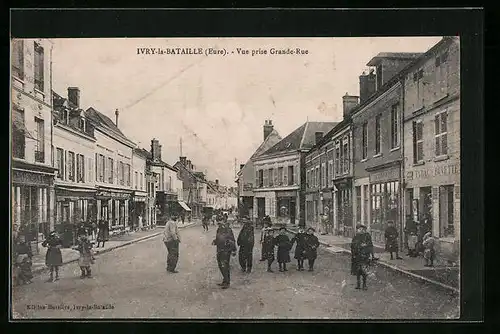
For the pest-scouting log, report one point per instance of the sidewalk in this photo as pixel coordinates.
(444, 276)
(69, 255)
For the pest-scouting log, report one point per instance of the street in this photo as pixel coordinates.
(133, 282)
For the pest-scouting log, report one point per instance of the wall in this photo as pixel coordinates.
(275, 163)
(139, 166)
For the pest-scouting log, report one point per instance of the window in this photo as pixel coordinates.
(291, 178)
(418, 142)
(345, 155)
(101, 168)
(366, 204)
(136, 177)
(271, 177)
(81, 124)
(323, 175)
(39, 67)
(80, 168)
(18, 58)
(71, 166)
(395, 126)
(141, 180)
(111, 170)
(358, 204)
(442, 75)
(280, 176)
(337, 158)
(446, 208)
(18, 134)
(365, 141)
(120, 173)
(260, 178)
(128, 176)
(441, 129)
(60, 163)
(40, 140)
(377, 134)
(330, 173)
(316, 177)
(417, 79)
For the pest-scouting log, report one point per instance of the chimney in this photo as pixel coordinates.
(183, 161)
(318, 136)
(217, 182)
(116, 117)
(74, 97)
(241, 166)
(349, 102)
(268, 128)
(159, 152)
(155, 148)
(367, 86)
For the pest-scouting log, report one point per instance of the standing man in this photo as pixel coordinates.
(139, 221)
(360, 256)
(311, 247)
(391, 240)
(246, 243)
(103, 233)
(172, 240)
(226, 246)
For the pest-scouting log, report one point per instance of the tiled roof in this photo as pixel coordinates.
(393, 55)
(260, 149)
(302, 138)
(142, 152)
(105, 123)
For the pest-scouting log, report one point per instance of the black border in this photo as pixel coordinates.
(467, 23)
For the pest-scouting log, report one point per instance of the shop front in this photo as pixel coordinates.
(286, 207)
(112, 206)
(385, 199)
(138, 212)
(342, 209)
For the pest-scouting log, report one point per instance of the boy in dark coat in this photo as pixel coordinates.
(246, 243)
(311, 247)
(268, 248)
(226, 246)
(53, 259)
(284, 246)
(360, 256)
(391, 240)
(300, 239)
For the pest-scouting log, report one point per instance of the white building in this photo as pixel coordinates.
(140, 203)
(31, 157)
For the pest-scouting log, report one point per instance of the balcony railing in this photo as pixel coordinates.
(39, 156)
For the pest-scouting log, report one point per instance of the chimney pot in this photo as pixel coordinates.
(367, 86)
(241, 166)
(349, 103)
(268, 128)
(116, 117)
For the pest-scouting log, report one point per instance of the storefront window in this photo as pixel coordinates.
(358, 204)
(385, 200)
(446, 207)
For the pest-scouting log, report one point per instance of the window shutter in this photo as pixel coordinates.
(295, 175)
(266, 173)
(256, 178)
(65, 165)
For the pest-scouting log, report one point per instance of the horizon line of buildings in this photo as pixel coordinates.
(71, 165)
(395, 156)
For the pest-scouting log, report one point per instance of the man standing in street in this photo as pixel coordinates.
(246, 243)
(226, 246)
(391, 240)
(171, 239)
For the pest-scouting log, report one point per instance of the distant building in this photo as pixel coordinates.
(194, 188)
(280, 175)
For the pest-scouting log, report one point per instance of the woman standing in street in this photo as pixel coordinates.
(84, 247)
(103, 233)
(391, 240)
(300, 239)
(311, 247)
(53, 259)
(284, 246)
(429, 252)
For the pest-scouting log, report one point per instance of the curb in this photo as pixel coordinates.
(126, 243)
(392, 267)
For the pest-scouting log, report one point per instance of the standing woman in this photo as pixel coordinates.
(311, 247)
(268, 248)
(103, 233)
(53, 259)
(391, 240)
(300, 239)
(284, 246)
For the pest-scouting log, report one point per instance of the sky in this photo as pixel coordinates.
(217, 104)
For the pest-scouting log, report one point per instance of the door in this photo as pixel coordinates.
(261, 207)
(293, 211)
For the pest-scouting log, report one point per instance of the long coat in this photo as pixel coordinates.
(246, 237)
(54, 255)
(360, 252)
(311, 246)
(391, 237)
(284, 246)
(103, 234)
(224, 240)
(300, 248)
(268, 246)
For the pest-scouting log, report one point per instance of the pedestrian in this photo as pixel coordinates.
(367, 238)
(183, 217)
(139, 221)
(226, 246)
(300, 239)
(246, 243)
(360, 256)
(53, 258)
(324, 224)
(429, 251)
(103, 233)
(171, 239)
(94, 230)
(412, 244)
(23, 263)
(391, 240)
(410, 227)
(86, 259)
(311, 247)
(284, 246)
(205, 222)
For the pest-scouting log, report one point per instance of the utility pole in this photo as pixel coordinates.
(180, 142)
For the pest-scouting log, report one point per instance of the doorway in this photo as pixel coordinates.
(292, 211)
(261, 208)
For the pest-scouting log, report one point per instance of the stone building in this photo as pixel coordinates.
(280, 175)
(432, 145)
(139, 204)
(246, 175)
(32, 177)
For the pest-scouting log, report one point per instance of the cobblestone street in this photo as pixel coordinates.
(132, 282)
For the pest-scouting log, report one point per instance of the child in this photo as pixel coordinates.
(23, 257)
(268, 248)
(428, 244)
(284, 246)
(311, 247)
(412, 244)
(299, 238)
(53, 258)
(84, 246)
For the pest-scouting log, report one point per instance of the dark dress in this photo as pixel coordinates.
(391, 237)
(360, 253)
(224, 240)
(268, 247)
(284, 246)
(54, 256)
(311, 246)
(103, 233)
(300, 248)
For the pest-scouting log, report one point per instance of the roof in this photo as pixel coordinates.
(303, 137)
(393, 55)
(142, 152)
(105, 123)
(332, 132)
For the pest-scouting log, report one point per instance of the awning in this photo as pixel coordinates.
(184, 205)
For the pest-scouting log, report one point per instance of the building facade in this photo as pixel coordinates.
(33, 193)
(280, 176)
(194, 188)
(432, 146)
(138, 206)
(246, 175)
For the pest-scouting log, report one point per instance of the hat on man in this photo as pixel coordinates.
(311, 229)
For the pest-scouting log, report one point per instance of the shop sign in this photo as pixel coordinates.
(115, 195)
(31, 178)
(423, 174)
(385, 175)
(286, 194)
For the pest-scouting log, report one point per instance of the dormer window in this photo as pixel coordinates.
(82, 124)
(65, 116)
(379, 76)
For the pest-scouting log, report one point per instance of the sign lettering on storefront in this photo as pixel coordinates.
(286, 194)
(31, 178)
(112, 194)
(385, 175)
(447, 170)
